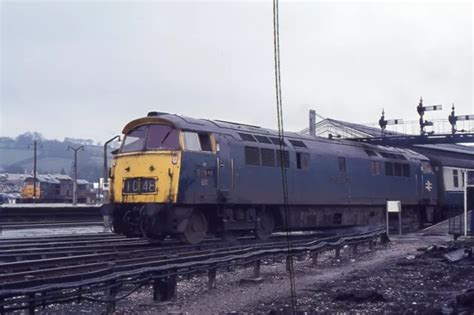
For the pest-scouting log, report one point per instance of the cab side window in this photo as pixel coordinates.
(194, 141)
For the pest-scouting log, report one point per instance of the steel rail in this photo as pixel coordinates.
(72, 244)
(32, 251)
(112, 278)
(159, 268)
(11, 264)
(48, 238)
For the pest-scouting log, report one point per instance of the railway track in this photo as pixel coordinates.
(47, 224)
(72, 272)
(22, 249)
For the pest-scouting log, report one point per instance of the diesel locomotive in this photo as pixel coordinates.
(184, 177)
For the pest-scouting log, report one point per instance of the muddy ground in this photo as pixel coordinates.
(418, 283)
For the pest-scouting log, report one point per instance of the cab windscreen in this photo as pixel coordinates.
(151, 137)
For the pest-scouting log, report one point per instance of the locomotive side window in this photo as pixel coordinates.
(375, 167)
(302, 160)
(205, 141)
(426, 167)
(276, 141)
(455, 178)
(247, 137)
(397, 169)
(388, 168)
(191, 141)
(194, 141)
(342, 164)
(370, 153)
(263, 139)
(298, 143)
(252, 156)
(286, 158)
(268, 157)
(406, 170)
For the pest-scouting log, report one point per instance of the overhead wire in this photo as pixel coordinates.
(283, 158)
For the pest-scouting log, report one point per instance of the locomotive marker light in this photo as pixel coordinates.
(394, 206)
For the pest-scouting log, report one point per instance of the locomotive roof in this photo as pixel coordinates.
(233, 129)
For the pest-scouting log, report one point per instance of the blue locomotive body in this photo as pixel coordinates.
(230, 181)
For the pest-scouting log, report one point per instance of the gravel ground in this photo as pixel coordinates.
(419, 284)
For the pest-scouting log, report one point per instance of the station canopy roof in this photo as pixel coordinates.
(347, 130)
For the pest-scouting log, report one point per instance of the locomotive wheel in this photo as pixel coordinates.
(146, 228)
(265, 225)
(196, 228)
(130, 224)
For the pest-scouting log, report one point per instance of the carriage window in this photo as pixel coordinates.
(252, 156)
(268, 157)
(375, 166)
(342, 164)
(455, 178)
(286, 158)
(302, 160)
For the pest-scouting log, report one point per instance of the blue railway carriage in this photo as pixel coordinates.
(450, 163)
(187, 177)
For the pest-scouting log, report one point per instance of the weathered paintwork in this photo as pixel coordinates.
(163, 166)
(221, 184)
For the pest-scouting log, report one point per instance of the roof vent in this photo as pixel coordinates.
(154, 114)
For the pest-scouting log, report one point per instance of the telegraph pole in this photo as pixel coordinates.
(35, 151)
(74, 187)
(34, 171)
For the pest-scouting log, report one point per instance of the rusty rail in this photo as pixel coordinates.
(106, 280)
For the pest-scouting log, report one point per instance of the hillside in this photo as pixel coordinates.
(16, 156)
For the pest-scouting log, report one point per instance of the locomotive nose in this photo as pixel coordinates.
(150, 177)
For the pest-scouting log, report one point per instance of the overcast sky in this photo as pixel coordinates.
(83, 69)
